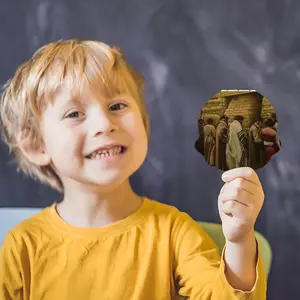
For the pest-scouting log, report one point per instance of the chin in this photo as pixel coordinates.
(109, 181)
(109, 185)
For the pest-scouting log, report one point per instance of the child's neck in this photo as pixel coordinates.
(92, 209)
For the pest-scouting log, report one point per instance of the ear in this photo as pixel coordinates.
(36, 154)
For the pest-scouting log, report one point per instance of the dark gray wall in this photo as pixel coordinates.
(188, 51)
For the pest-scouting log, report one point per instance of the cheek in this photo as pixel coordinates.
(140, 137)
(134, 125)
(62, 144)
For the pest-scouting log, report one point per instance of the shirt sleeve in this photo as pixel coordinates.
(12, 260)
(199, 269)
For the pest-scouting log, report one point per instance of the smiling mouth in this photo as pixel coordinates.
(114, 151)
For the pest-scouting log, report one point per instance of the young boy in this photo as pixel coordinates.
(74, 118)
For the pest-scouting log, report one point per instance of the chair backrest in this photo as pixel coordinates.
(214, 230)
(9, 217)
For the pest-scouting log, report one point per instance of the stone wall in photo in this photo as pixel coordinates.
(214, 108)
(267, 109)
(246, 105)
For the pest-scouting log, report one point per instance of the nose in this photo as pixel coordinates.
(101, 122)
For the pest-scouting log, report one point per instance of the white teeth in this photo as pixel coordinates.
(109, 152)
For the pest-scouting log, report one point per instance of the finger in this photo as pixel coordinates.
(238, 195)
(244, 184)
(223, 188)
(235, 209)
(245, 172)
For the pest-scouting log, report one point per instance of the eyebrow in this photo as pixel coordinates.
(76, 99)
(122, 96)
(66, 102)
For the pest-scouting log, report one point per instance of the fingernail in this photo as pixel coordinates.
(224, 176)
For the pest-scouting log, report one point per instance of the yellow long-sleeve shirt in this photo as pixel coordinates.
(149, 255)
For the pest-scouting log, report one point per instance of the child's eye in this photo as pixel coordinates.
(74, 114)
(118, 106)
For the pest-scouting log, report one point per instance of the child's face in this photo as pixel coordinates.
(75, 126)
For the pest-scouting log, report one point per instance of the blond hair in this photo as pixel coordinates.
(62, 64)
